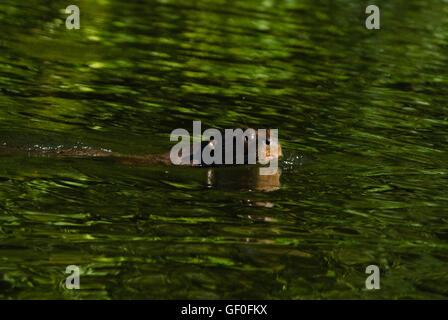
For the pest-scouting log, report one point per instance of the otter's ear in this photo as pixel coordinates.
(268, 135)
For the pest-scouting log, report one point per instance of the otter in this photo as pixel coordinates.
(164, 158)
(219, 176)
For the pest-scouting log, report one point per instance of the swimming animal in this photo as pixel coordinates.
(164, 158)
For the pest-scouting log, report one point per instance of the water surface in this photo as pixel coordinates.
(362, 117)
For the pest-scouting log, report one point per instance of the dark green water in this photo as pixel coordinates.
(362, 116)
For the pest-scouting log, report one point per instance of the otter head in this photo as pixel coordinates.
(271, 145)
(251, 140)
